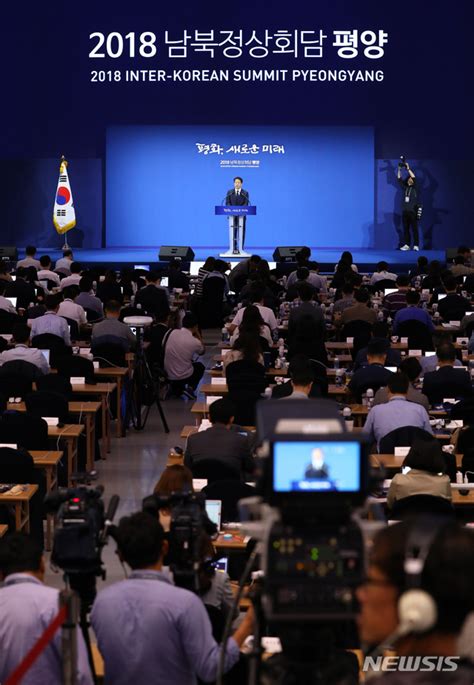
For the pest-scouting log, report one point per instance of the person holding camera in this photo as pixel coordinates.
(410, 206)
(27, 607)
(150, 631)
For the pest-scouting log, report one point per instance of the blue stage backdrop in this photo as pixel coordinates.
(311, 185)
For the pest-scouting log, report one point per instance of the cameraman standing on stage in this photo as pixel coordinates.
(410, 205)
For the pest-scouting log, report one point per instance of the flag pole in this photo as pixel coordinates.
(65, 246)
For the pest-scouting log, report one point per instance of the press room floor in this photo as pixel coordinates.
(136, 462)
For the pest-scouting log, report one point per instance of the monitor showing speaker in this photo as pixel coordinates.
(8, 254)
(286, 253)
(169, 252)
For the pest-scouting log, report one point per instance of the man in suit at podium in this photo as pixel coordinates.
(237, 197)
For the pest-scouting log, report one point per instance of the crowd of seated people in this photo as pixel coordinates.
(285, 317)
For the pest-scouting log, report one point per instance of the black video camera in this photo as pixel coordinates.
(189, 524)
(314, 555)
(81, 529)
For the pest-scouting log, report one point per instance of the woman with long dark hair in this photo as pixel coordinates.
(253, 324)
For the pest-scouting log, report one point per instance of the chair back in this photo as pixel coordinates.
(7, 321)
(76, 365)
(229, 492)
(24, 429)
(414, 505)
(17, 377)
(16, 466)
(109, 353)
(402, 437)
(54, 382)
(214, 470)
(92, 315)
(44, 403)
(211, 305)
(246, 383)
(53, 343)
(418, 334)
(73, 327)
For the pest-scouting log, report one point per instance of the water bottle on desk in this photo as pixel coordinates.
(370, 398)
(339, 377)
(336, 362)
(225, 334)
(380, 315)
(348, 420)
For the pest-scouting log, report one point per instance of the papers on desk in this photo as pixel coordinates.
(210, 398)
(270, 645)
(51, 420)
(217, 380)
(401, 451)
(9, 444)
(454, 423)
(78, 380)
(205, 424)
(199, 484)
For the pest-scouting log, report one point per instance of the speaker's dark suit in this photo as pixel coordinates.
(238, 200)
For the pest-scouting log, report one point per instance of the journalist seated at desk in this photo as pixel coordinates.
(111, 330)
(22, 350)
(426, 474)
(447, 381)
(380, 331)
(150, 631)
(398, 412)
(223, 442)
(51, 322)
(374, 375)
(411, 367)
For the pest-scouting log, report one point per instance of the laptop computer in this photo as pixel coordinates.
(221, 564)
(45, 354)
(214, 511)
(12, 300)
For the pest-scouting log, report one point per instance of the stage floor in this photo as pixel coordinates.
(365, 258)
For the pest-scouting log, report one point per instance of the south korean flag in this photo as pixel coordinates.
(64, 216)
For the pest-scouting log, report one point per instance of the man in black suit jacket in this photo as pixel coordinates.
(152, 298)
(22, 289)
(238, 197)
(453, 307)
(222, 442)
(447, 381)
(374, 375)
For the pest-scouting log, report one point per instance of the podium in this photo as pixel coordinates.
(236, 215)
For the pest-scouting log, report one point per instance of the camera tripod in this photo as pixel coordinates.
(143, 391)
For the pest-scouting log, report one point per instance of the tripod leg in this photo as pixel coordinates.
(162, 414)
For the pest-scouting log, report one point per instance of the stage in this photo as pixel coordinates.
(366, 259)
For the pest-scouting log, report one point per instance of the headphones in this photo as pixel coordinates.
(417, 610)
